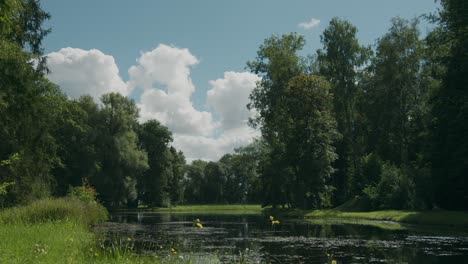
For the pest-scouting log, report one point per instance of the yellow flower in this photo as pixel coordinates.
(271, 218)
(174, 251)
(199, 225)
(333, 262)
(198, 220)
(275, 222)
(129, 239)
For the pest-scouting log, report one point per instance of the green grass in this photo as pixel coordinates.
(445, 218)
(213, 209)
(51, 210)
(57, 231)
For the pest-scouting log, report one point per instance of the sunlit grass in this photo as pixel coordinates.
(213, 209)
(447, 218)
(50, 210)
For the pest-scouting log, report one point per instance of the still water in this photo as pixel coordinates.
(292, 241)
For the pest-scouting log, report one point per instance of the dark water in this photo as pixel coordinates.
(292, 241)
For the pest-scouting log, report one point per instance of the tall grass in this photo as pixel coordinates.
(49, 231)
(52, 210)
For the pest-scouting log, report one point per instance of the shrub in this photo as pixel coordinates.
(395, 189)
(85, 192)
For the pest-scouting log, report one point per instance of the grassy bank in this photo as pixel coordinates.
(56, 231)
(213, 209)
(442, 218)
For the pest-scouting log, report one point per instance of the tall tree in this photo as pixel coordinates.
(339, 62)
(178, 170)
(29, 103)
(309, 138)
(121, 159)
(154, 183)
(277, 62)
(450, 112)
(395, 92)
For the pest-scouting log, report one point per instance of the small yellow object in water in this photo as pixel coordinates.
(199, 225)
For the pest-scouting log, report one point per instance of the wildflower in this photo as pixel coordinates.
(333, 262)
(174, 251)
(275, 222)
(129, 239)
(271, 218)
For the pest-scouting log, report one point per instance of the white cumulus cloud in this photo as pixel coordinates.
(313, 22)
(81, 72)
(163, 75)
(229, 97)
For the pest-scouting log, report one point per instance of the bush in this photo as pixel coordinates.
(395, 189)
(84, 193)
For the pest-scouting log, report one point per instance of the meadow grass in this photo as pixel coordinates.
(57, 231)
(442, 218)
(52, 210)
(213, 209)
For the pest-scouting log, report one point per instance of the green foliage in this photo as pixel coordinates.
(154, 183)
(51, 210)
(120, 157)
(340, 62)
(85, 192)
(449, 149)
(395, 189)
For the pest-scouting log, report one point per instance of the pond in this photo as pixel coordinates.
(252, 237)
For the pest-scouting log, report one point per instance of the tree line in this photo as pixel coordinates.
(371, 127)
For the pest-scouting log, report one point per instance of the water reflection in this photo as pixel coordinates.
(289, 242)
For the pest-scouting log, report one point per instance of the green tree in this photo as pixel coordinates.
(76, 139)
(339, 62)
(121, 159)
(176, 186)
(154, 183)
(450, 111)
(277, 62)
(395, 92)
(29, 103)
(309, 137)
(194, 182)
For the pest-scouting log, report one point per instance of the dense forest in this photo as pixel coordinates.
(374, 127)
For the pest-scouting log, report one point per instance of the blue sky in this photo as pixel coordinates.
(221, 35)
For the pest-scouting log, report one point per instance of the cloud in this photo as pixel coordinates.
(211, 148)
(229, 97)
(310, 24)
(81, 72)
(163, 75)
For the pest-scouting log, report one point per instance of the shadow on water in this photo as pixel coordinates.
(292, 241)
